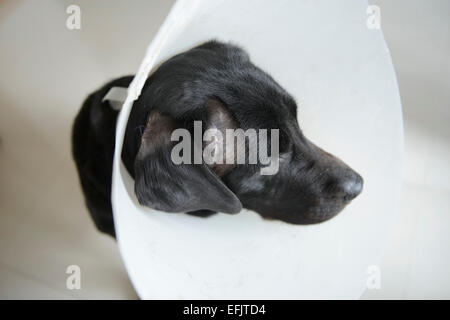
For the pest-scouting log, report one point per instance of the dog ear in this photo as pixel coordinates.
(163, 185)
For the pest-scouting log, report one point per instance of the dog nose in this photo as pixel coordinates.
(351, 187)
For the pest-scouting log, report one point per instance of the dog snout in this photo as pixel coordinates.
(347, 186)
(351, 186)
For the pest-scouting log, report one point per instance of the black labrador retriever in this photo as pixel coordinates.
(214, 83)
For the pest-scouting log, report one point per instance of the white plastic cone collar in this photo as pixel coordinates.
(341, 75)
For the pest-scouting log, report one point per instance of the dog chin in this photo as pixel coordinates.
(312, 217)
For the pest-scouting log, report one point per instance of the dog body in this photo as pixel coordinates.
(214, 83)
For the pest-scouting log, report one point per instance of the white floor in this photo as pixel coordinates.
(46, 72)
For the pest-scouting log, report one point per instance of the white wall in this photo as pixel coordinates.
(417, 260)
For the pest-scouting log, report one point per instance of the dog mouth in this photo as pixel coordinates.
(315, 204)
(317, 212)
(315, 216)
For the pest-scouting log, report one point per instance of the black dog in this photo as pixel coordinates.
(217, 84)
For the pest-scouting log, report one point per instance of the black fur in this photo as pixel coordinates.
(214, 78)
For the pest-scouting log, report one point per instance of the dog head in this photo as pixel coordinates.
(216, 85)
